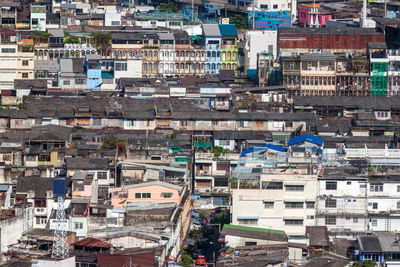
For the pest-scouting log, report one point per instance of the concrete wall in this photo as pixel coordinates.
(237, 241)
(11, 230)
(51, 263)
(130, 241)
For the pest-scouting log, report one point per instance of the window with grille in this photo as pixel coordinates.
(294, 205)
(330, 203)
(294, 187)
(330, 220)
(293, 222)
(331, 185)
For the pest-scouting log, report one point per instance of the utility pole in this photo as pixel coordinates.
(385, 9)
(252, 7)
(192, 10)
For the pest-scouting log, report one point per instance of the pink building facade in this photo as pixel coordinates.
(155, 192)
(304, 16)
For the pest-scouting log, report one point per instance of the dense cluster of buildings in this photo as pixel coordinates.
(119, 120)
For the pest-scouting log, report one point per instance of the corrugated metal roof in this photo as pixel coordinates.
(228, 29)
(92, 242)
(318, 57)
(211, 30)
(166, 36)
(308, 138)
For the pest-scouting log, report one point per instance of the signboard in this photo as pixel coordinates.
(58, 224)
(177, 91)
(225, 21)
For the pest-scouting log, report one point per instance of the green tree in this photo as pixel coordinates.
(218, 151)
(101, 40)
(113, 142)
(71, 39)
(240, 21)
(168, 7)
(186, 260)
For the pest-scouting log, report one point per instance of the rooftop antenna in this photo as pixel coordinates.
(60, 245)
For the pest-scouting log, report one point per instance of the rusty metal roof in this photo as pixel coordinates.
(92, 242)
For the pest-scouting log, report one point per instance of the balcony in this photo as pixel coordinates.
(203, 173)
(220, 173)
(210, 156)
(40, 211)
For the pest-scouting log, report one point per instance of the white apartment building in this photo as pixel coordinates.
(257, 42)
(350, 202)
(341, 205)
(384, 204)
(25, 61)
(283, 199)
(166, 54)
(8, 64)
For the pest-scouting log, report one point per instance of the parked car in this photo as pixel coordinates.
(201, 260)
(221, 239)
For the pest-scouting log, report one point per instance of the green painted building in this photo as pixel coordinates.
(379, 78)
(229, 47)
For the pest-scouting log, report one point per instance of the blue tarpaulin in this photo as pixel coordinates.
(195, 214)
(306, 138)
(260, 148)
(59, 186)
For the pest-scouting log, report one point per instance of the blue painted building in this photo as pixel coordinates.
(213, 41)
(93, 72)
(270, 20)
(381, 247)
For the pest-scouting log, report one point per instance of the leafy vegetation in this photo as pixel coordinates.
(113, 142)
(240, 21)
(22, 106)
(222, 218)
(218, 151)
(71, 39)
(186, 260)
(168, 7)
(41, 37)
(101, 40)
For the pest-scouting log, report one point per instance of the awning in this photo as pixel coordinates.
(206, 144)
(247, 217)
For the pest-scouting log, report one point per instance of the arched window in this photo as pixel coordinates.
(213, 66)
(214, 54)
(208, 54)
